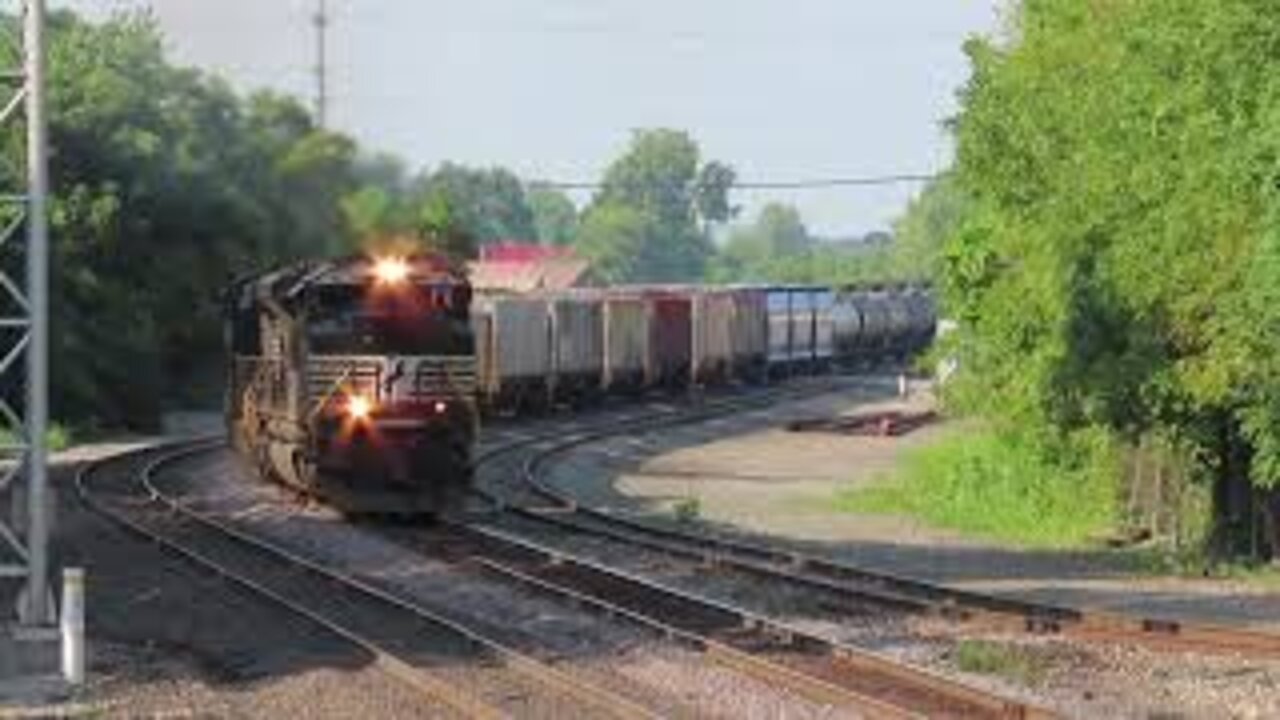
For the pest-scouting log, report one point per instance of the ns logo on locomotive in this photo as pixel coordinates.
(354, 380)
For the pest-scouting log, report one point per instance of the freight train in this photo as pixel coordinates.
(361, 380)
(354, 380)
(537, 350)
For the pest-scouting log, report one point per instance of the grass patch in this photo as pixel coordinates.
(1260, 575)
(1003, 487)
(57, 437)
(1011, 662)
(688, 510)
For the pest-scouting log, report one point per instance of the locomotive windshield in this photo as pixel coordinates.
(411, 320)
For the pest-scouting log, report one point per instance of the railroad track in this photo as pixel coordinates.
(747, 644)
(548, 506)
(450, 665)
(659, 414)
(808, 665)
(817, 667)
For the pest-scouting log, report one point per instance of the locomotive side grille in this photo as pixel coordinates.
(445, 377)
(329, 375)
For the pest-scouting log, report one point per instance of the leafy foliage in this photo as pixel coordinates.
(167, 185)
(489, 205)
(778, 248)
(554, 215)
(999, 484)
(658, 198)
(1117, 264)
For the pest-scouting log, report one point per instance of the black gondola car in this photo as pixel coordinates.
(354, 381)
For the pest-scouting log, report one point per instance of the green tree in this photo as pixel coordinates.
(440, 228)
(921, 233)
(660, 177)
(554, 215)
(613, 237)
(754, 252)
(489, 204)
(1116, 266)
(167, 184)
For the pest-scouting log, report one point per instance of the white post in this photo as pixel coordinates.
(903, 388)
(73, 645)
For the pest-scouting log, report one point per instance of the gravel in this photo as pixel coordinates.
(676, 682)
(168, 641)
(730, 464)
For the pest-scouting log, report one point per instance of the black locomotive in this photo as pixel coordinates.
(354, 380)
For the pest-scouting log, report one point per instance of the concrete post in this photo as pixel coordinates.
(72, 623)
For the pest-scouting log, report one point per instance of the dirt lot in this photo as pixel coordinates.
(780, 482)
(748, 475)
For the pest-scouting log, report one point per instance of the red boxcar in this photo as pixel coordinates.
(670, 338)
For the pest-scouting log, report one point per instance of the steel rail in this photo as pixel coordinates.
(702, 411)
(877, 586)
(391, 662)
(772, 651)
(610, 704)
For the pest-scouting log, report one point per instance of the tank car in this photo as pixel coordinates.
(353, 380)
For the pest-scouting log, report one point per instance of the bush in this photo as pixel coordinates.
(1007, 486)
(57, 437)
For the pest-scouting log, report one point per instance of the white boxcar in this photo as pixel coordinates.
(577, 342)
(513, 351)
(626, 340)
(713, 335)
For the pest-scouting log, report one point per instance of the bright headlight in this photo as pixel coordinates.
(390, 270)
(359, 408)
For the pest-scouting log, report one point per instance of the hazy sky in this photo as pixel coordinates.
(552, 88)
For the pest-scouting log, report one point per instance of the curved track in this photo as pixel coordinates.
(808, 665)
(540, 502)
(815, 666)
(448, 664)
(731, 637)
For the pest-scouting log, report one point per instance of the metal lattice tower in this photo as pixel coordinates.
(24, 235)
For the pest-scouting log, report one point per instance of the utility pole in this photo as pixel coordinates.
(24, 319)
(321, 22)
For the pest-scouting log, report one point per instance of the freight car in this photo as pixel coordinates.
(514, 368)
(626, 342)
(354, 381)
(577, 346)
(564, 347)
(714, 324)
(669, 353)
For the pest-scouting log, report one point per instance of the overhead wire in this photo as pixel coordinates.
(798, 184)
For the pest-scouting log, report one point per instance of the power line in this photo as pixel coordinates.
(800, 184)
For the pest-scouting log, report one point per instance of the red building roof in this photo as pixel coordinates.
(522, 268)
(509, 251)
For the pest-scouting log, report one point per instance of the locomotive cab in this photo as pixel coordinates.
(363, 389)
